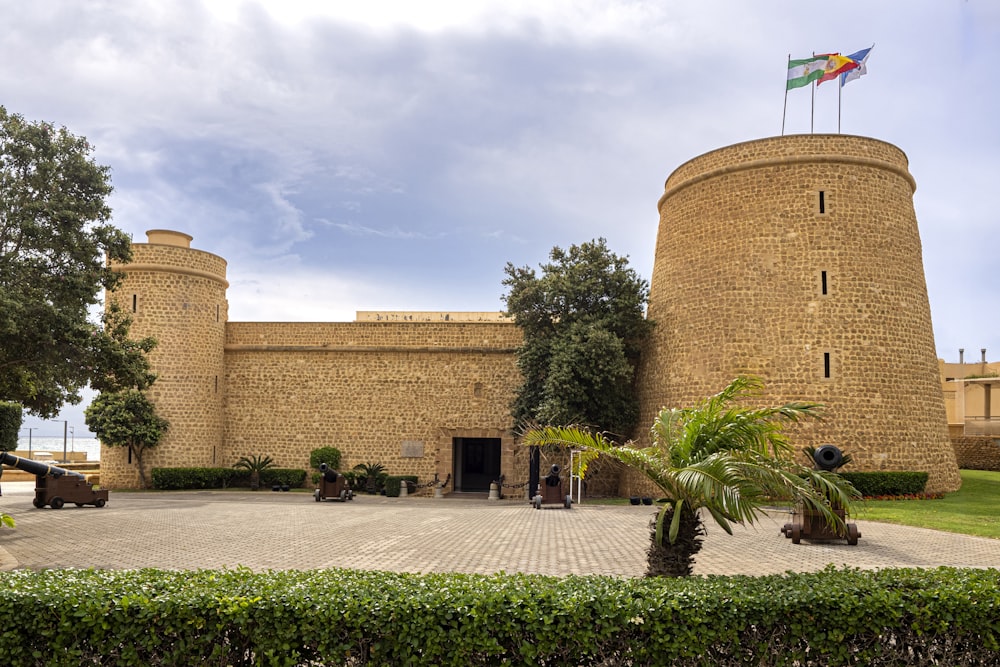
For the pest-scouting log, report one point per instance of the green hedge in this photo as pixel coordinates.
(394, 482)
(293, 477)
(221, 478)
(873, 484)
(197, 478)
(346, 617)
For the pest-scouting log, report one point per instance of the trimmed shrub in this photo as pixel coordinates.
(292, 477)
(393, 483)
(887, 483)
(10, 422)
(197, 478)
(347, 617)
(327, 455)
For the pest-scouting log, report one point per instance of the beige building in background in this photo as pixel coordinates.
(972, 400)
(794, 258)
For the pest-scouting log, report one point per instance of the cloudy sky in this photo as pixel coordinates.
(383, 154)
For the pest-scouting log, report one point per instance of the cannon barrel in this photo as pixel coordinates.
(828, 457)
(36, 467)
(328, 474)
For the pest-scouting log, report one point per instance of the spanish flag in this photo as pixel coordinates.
(836, 65)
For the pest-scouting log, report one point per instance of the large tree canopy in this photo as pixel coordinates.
(583, 320)
(55, 243)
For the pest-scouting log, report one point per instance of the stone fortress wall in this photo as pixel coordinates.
(390, 392)
(795, 258)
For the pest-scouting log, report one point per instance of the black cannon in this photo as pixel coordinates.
(811, 524)
(56, 486)
(332, 485)
(550, 491)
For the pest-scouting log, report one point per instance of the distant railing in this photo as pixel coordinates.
(982, 426)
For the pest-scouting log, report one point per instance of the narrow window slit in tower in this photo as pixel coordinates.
(135, 301)
(216, 312)
(822, 280)
(822, 202)
(216, 384)
(826, 364)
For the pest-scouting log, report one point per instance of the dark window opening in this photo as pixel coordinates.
(216, 312)
(135, 301)
(826, 364)
(216, 384)
(822, 280)
(822, 202)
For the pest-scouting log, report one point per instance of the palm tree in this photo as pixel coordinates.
(256, 464)
(725, 458)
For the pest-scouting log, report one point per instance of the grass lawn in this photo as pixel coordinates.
(972, 510)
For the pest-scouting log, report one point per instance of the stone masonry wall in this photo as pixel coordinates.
(743, 256)
(379, 392)
(977, 452)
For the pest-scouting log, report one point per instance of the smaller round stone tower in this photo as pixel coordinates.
(177, 295)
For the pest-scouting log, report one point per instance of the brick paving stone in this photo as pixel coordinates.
(267, 530)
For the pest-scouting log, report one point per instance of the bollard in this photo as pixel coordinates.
(403, 493)
(494, 491)
(438, 492)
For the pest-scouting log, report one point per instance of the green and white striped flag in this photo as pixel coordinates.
(803, 72)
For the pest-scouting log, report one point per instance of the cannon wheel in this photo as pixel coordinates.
(79, 504)
(786, 530)
(317, 495)
(853, 533)
(37, 503)
(537, 502)
(57, 503)
(569, 502)
(99, 502)
(343, 496)
(350, 494)
(796, 533)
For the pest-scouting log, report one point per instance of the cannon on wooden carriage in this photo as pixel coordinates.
(55, 486)
(812, 525)
(550, 491)
(332, 485)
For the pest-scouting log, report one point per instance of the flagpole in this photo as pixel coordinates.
(840, 88)
(812, 110)
(784, 109)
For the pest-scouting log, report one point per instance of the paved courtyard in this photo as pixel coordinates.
(266, 530)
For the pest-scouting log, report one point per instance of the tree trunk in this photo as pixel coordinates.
(677, 559)
(137, 453)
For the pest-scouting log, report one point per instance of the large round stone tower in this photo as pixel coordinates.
(177, 295)
(798, 259)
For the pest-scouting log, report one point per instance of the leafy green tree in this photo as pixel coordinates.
(584, 321)
(720, 456)
(55, 243)
(126, 418)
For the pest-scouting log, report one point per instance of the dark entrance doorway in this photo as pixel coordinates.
(477, 463)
